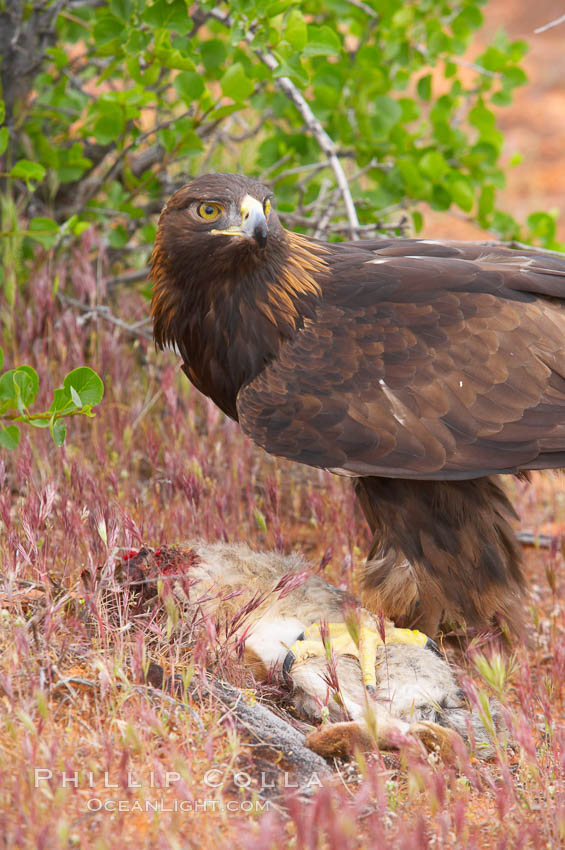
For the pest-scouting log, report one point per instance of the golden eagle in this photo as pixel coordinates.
(419, 368)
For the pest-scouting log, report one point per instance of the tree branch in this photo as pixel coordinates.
(256, 720)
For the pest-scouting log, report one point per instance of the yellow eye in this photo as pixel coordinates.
(209, 211)
(267, 208)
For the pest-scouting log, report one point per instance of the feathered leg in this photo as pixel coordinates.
(441, 549)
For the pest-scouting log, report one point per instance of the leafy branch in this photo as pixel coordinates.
(81, 391)
(350, 111)
(313, 124)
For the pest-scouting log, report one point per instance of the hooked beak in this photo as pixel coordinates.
(253, 222)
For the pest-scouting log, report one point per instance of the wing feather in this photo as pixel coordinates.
(443, 364)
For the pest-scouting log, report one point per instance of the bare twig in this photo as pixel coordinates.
(313, 124)
(89, 187)
(73, 680)
(298, 169)
(129, 277)
(149, 689)
(282, 161)
(102, 311)
(363, 7)
(422, 50)
(250, 132)
(143, 412)
(550, 25)
(295, 219)
(325, 220)
(371, 228)
(162, 125)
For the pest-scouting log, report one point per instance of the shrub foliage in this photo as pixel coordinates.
(110, 106)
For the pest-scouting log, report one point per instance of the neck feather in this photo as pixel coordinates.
(229, 320)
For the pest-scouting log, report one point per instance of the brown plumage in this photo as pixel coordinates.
(420, 368)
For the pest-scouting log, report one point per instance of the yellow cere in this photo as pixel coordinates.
(267, 208)
(209, 211)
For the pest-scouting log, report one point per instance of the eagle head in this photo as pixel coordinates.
(229, 282)
(214, 235)
(225, 215)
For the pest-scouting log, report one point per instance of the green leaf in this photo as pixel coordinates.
(411, 176)
(468, 19)
(387, 113)
(434, 165)
(110, 124)
(18, 387)
(213, 54)
(27, 381)
(75, 397)
(121, 9)
(165, 14)
(43, 230)
(27, 170)
(118, 236)
(80, 227)
(86, 383)
(296, 32)
(322, 41)
(501, 98)
(417, 220)
(493, 59)
(424, 87)
(59, 57)
(542, 225)
(9, 436)
(58, 431)
(236, 84)
(189, 85)
(441, 199)
(481, 117)
(514, 77)
(462, 193)
(279, 6)
(107, 29)
(173, 58)
(517, 50)
(8, 392)
(486, 202)
(61, 401)
(1, 358)
(4, 139)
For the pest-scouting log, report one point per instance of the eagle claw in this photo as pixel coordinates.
(361, 640)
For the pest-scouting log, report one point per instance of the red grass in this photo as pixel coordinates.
(159, 465)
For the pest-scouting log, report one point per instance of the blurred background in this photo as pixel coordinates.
(534, 124)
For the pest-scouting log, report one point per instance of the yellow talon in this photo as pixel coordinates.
(342, 641)
(411, 637)
(368, 643)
